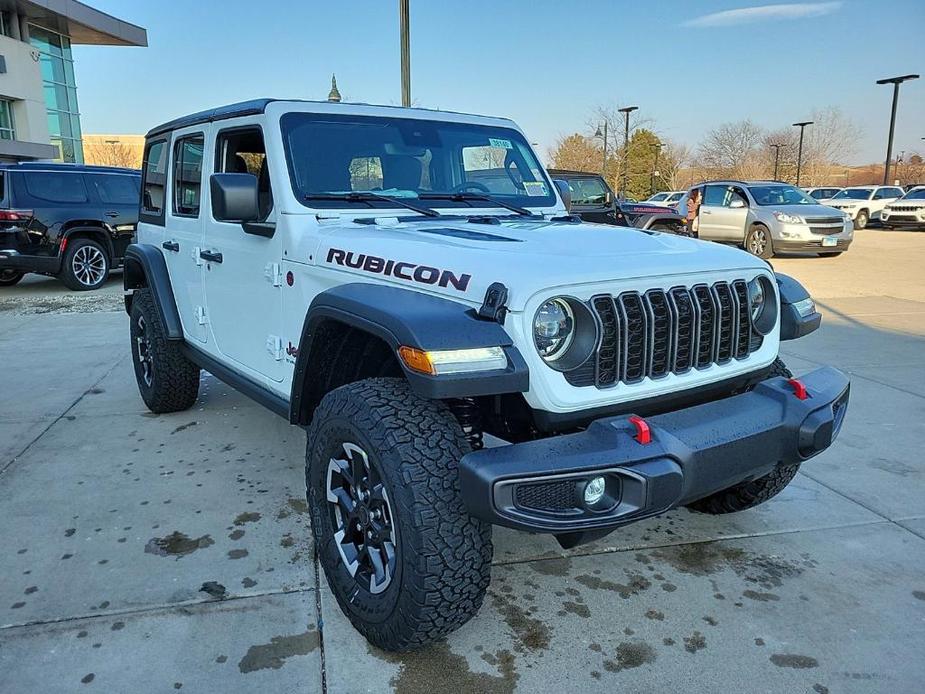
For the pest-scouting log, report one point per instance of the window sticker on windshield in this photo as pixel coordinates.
(501, 144)
(535, 189)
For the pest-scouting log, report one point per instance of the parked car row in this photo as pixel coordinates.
(68, 221)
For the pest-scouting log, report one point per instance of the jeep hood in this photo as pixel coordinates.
(460, 259)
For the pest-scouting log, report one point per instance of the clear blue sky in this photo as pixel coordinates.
(545, 63)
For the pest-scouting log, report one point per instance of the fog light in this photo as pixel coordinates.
(594, 490)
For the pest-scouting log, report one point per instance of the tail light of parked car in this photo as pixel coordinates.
(16, 215)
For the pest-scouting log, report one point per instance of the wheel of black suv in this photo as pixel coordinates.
(405, 561)
(861, 220)
(750, 494)
(758, 241)
(85, 265)
(10, 277)
(167, 380)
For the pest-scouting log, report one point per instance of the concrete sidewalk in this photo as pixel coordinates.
(149, 553)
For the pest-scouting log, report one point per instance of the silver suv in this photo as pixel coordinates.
(766, 217)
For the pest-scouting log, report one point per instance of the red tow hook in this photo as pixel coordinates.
(798, 389)
(643, 432)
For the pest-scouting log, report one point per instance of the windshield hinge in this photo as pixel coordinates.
(493, 306)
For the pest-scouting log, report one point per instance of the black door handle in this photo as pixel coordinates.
(111, 214)
(171, 246)
(210, 256)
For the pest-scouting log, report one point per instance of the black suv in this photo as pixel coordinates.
(594, 201)
(70, 221)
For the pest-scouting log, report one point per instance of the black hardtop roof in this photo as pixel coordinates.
(63, 166)
(570, 172)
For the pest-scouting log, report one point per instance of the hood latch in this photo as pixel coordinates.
(493, 306)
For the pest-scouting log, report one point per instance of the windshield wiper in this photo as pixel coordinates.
(463, 196)
(368, 196)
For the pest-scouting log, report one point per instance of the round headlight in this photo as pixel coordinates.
(755, 299)
(553, 328)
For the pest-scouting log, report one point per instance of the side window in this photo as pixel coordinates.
(242, 150)
(587, 191)
(154, 182)
(115, 189)
(56, 187)
(187, 175)
(715, 196)
(880, 194)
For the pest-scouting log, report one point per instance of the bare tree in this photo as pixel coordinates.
(733, 150)
(112, 154)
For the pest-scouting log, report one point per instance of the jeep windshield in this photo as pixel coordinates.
(331, 157)
(854, 194)
(780, 195)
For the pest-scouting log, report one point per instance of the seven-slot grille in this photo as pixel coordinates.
(654, 333)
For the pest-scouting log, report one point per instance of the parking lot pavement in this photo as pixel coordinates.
(156, 553)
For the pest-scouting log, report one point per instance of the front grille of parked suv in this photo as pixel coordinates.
(825, 225)
(658, 332)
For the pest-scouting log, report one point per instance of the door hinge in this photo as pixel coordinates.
(274, 274)
(201, 315)
(275, 347)
(196, 258)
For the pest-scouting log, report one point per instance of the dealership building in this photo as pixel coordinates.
(39, 114)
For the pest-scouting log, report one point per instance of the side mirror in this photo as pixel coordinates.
(565, 193)
(608, 198)
(737, 204)
(234, 197)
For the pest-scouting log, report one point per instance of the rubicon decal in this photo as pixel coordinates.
(412, 272)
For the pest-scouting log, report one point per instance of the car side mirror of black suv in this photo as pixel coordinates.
(234, 197)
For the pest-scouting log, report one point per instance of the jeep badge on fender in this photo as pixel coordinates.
(401, 282)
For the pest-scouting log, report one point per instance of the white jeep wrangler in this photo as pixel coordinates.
(401, 282)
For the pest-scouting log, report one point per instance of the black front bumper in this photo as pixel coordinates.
(538, 485)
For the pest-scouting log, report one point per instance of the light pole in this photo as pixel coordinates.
(801, 126)
(895, 81)
(777, 146)
(626, 111)
(657, 146)
(404, 21)
(603, 135)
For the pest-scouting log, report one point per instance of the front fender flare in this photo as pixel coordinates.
(401, 317)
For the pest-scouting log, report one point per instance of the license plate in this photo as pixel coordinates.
(829, 242)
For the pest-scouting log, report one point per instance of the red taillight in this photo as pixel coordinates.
(799, 390)
(643, 432)
(15, 215)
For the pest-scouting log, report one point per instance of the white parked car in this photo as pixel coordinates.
(823, 193)
(399, 282)
(906, 213)
(865, 203)
(667, 198)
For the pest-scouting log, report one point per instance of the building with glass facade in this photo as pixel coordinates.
(39, 113)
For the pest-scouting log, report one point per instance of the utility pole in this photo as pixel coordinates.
(657, 146)
(404, 19)
(626, 111)
(801, 126)
(895, 81)
(777, 147)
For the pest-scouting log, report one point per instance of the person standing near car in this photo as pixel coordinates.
(692, 218)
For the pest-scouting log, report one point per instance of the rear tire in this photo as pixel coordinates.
(10, 277)
(861, 220)
(752, 493)
(85, 266)
(381, 460)
(167, 380)
(758, 241)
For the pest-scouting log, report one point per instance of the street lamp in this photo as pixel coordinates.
(626, 111)
(895, 81)
(603, 135)
(404, 21)
(657, 146)
(777, 146)
(801, 126)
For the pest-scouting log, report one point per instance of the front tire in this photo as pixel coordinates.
(861, 220)
(10, 277)
(85, 266)
(758, 241)
(167, 380)
(752, 493)
(404, 559)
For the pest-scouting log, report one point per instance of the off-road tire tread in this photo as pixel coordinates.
(750, 494)
(67, 276)
(446, 574)
(176, 378)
